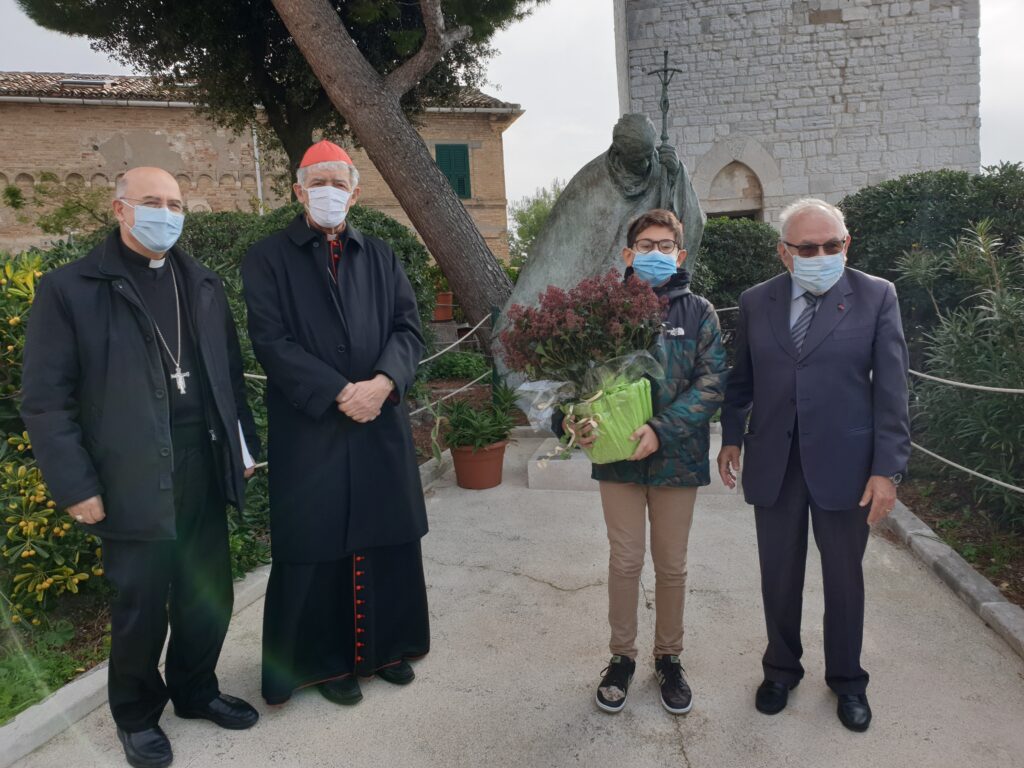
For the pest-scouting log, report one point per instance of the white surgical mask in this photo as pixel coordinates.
(328, 206)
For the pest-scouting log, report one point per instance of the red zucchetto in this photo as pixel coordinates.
(324, 152)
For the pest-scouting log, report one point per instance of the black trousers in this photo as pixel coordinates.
(841, 537)
(186, 582)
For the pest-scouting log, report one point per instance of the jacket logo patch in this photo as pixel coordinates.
(675, 331)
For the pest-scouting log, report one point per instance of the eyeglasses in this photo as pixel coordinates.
(831, 247)
(646, 246)
(174, 206)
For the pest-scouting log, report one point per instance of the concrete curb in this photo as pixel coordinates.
(983, 597)
(67, 705)
(70, 703)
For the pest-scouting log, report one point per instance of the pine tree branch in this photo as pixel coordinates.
(436, 43)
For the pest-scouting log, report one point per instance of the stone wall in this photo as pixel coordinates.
(94, 144)
(814, 97)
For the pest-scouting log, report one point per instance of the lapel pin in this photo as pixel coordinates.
(842, 307)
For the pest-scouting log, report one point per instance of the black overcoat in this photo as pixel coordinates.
(336, 486)
(94, 396)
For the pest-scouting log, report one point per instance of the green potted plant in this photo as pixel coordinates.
(443, 297)
(477, 437)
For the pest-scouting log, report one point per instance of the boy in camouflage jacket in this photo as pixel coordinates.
(661, 479)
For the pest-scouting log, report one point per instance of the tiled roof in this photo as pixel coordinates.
(140, 88)
(79, 86)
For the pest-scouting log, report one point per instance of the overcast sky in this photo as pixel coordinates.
(560, 65)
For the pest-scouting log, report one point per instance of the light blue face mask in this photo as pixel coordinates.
(818, 273)
(157, 229)
(655, 268)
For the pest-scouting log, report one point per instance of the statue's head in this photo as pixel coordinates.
(633, 141)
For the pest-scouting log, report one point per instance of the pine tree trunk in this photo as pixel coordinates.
(373, 111)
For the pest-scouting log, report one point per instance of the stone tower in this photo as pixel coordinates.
(779, 99)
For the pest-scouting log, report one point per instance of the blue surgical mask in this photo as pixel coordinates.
(818, 273)
(655, 268)
(158, 229)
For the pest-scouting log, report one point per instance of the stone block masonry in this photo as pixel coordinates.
(817, 97)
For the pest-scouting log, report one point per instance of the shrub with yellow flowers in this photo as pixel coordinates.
(44, 554)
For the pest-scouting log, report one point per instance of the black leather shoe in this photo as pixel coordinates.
(146, 749)
(398, 674)
(854, 711)
(772, 697)
(344, 691)
(226, 711)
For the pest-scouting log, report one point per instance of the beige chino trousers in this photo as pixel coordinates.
(626, 508)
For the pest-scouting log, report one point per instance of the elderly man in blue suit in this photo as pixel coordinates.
(821, 370)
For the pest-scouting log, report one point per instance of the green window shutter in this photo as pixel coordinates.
(453, 160)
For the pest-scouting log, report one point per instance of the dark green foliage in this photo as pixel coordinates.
(236, 55)
(465, 425)
(458, 365)
(735, 254)
(926, 211)
(981, 341)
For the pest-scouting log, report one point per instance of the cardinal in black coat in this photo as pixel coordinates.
(334, 323)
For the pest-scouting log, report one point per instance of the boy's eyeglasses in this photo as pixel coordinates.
(646, 246)
(831, 248)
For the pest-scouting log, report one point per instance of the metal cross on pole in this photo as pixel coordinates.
(665, 75)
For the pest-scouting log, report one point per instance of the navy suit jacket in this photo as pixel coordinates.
(845, 392)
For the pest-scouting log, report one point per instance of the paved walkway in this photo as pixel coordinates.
(516, 580)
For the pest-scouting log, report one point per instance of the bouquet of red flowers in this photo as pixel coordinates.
(590, 344)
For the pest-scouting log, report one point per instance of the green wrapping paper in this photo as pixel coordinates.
(618, 412)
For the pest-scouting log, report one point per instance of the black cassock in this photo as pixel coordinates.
(346, 592)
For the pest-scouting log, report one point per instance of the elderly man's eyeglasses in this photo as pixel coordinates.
(174, 206)
(646, 246)
(831, 247)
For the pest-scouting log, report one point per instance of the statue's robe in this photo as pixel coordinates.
(586, 231)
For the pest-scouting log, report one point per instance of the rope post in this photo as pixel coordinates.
(495, 379)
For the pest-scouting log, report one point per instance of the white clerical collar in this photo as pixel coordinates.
(157, 263)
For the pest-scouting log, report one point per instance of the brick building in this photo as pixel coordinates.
(783, 98)
(88, 129)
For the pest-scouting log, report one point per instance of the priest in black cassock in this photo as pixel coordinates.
(134, 399)
(333, 321)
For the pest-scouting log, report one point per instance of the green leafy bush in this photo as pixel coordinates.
(980, 341)
(465, 425)
(735, 254)
(928, 211)
(458, 365)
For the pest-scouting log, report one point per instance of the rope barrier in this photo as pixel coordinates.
(463, 388)
(454, 344)
(978, 387)
(968, 471)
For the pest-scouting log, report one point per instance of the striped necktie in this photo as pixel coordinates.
(803, 323)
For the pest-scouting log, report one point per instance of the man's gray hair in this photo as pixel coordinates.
(810, 204)
(331, 165)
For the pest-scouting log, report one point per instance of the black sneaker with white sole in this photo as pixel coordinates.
(611, 694)
(676, 696)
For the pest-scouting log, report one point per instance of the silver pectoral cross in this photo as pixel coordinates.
(179, 378)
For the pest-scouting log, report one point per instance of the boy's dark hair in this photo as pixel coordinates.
(658, 217)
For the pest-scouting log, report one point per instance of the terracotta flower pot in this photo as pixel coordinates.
(443, 308)
(479, 469)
